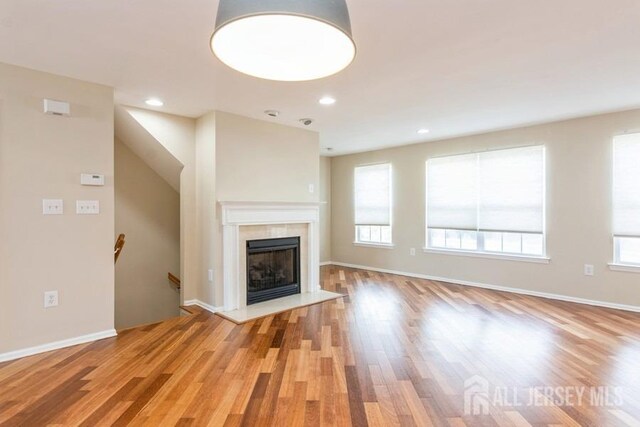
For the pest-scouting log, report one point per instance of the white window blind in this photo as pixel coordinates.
(372, 187)
(452, 192)
(626, 186)
(499, 190)
(511, 184)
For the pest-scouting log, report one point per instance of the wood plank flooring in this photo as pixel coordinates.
(393, 351)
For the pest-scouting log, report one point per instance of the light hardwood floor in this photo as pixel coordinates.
(393, 351)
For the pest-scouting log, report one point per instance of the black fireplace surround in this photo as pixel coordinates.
(273, 268)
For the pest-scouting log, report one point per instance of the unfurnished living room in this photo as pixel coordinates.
(319, 213)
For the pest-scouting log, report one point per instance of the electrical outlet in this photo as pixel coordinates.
(588, 270)
(412, 251)
(52, 207)
(50, 299)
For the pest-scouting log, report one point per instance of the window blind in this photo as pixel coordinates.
(626, 186)
(372, 187)
(500, 190)
(452, 193)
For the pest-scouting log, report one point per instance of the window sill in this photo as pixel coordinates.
(375, 245)
(624, 267)
(508, 257)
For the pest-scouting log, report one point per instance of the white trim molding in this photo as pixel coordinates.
(474, 254)
(210, 308)
(237, 214)
(624, 267)
(558, 297)
(375, 245)
(323, 263)
(56, 345)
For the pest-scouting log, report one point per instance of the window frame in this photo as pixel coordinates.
(543, 258)
(365, 243)
(618, 264)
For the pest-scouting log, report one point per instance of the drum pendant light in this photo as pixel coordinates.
(285, 40)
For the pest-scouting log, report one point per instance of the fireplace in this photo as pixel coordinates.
(273, 268)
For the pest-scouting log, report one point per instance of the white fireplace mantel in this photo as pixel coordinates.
(236, 214)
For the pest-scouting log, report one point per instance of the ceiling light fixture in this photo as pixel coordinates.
(284, 40)
(154, 102)
(423, 131)
(327, 100)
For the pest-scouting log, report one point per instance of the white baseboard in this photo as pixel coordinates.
(204, 305)
(43, 348)
(326, 263)
(557, 297)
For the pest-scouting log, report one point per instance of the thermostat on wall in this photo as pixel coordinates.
(91, 179)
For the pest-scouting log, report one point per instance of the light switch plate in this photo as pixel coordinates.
(87, 207)
(52, 207)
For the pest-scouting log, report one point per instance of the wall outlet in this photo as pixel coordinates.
(588, 270)
(52, 207)
(210, 275)
(312, 188)
(50, 299)
(412, 251)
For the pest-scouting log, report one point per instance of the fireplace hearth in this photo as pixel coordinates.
(273, 268)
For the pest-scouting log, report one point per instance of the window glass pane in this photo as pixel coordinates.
(375, 234)
(469, 240)
(385, 234)
(364, 233)
(512, 243)
(453, 239)
(436, 238)
(629, 250)
(493, 242)
(532, 244)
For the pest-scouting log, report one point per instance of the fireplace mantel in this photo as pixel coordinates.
(235, 214)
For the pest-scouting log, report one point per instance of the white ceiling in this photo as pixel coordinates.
(454, 66)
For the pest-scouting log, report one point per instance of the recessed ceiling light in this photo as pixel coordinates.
(423, 131)
(154, 102)
(272, 113)
(327, 100)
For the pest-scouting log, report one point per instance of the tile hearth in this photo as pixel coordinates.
(275, 306)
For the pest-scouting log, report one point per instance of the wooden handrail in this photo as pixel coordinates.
(173, 279)
(118, 247)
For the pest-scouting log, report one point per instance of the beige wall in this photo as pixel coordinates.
(579, 155)
(148, 213)
(42, 156)
(206, 166)
(325, 209)
(263, 161)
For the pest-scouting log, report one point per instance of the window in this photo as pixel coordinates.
(372, 196)
(489, 202)
(626, 199)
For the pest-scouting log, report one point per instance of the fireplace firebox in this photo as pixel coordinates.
(273, 268)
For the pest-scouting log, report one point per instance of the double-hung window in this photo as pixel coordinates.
(626, 199)
(372, 199)
(488, 202)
